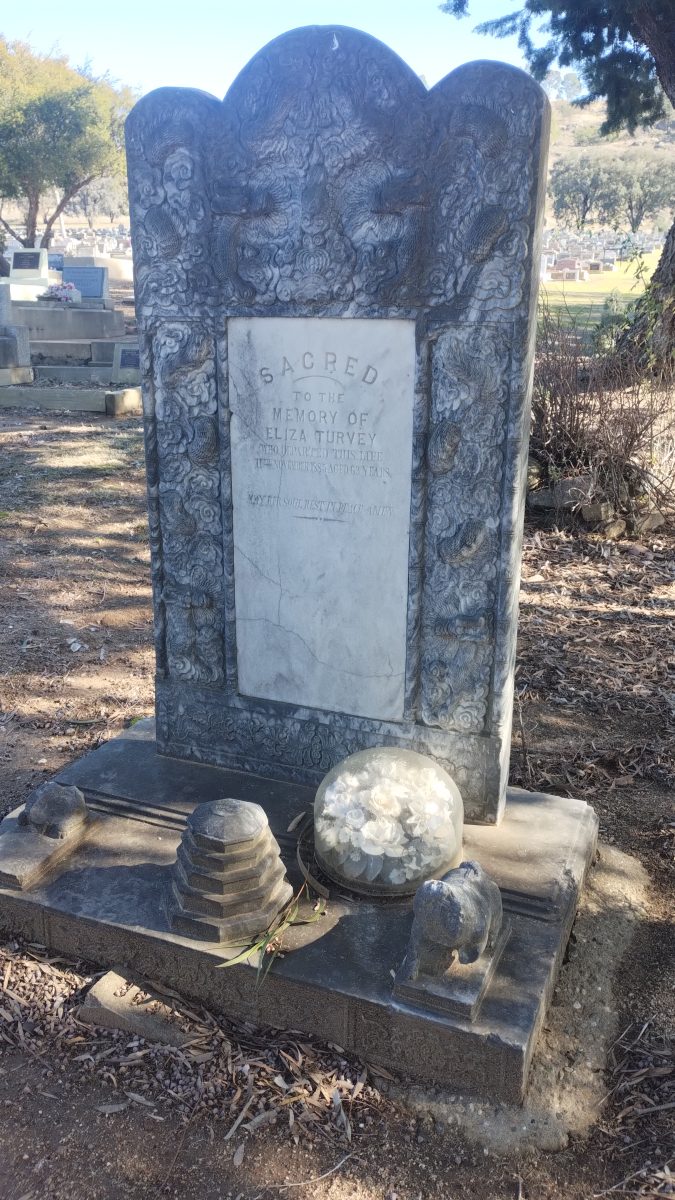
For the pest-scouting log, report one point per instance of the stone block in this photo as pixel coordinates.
(565, 493)
(10, 376)
(125, 402)
(648, 522)
(614, 529)
(46, 322)
(7, 352)
(600, 510)
(55, 398)
(80, 374)
(38, 837)
(335, 980)
(126, 364)
(64, 352)
(114, 1002)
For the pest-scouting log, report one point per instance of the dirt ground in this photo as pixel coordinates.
(595, 718)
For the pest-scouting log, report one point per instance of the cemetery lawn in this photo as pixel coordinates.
(87, 1113)
(583, 302)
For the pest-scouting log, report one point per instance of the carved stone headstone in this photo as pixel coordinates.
(335, 278)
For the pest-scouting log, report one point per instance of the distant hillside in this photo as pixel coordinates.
(576, 131)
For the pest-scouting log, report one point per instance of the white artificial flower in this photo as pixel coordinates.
(381, 836)
(355, 817)
(382, 801)
(336, 804)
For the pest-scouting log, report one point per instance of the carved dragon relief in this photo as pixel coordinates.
(332, 183)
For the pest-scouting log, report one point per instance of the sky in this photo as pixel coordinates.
(205, 43)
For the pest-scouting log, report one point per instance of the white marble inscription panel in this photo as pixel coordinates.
(322, 412)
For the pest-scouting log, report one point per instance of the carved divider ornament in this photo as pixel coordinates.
(329, 182)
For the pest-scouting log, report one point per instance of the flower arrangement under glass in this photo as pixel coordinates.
(63, 292)
(387, 819)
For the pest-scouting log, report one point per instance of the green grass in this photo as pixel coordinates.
(584, 301)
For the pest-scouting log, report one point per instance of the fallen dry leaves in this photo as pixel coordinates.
(228, 1071)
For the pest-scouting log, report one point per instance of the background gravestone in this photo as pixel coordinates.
(333, 250)
(31, 264)
(126, 364)
(91, 282)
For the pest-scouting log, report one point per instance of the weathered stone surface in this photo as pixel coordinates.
(459, 990)
(13, 375)
(228, 880)
(460, 914)
(614, 529)
(331, 185)
(566, 493)
(28, 853)
(648, 522)
(125, 402)
(336, 979)
(600, 510)
(227, 825)
(54, 810)
(321, 481)
(115, 1002)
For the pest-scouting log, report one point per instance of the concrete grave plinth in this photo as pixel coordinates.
(47, 322)
(336, 981)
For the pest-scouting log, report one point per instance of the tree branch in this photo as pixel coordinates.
(9, 229)
(65, 199)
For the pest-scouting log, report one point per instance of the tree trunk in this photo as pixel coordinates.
(65, 199)
(649, 341)
(31, 222)
(656, 28)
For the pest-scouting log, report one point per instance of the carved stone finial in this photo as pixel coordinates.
(459, 914)
(229, 881)
(54, 810)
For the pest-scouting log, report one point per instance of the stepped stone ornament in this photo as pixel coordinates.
(333, 229)
(229, 881)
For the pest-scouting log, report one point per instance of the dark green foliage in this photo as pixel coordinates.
(608, 42)
(624, 51)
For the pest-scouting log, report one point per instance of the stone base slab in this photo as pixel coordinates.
(107, 905)
(66, 399)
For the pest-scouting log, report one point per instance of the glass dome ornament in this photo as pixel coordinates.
(387, 819)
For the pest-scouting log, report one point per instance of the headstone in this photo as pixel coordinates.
(14, 343)
(91, 282)
(335, 292)
(29, 265)
(336, 275)
(55, 261)
(126, 364)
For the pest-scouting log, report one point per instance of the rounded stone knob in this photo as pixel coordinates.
(227, 822)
